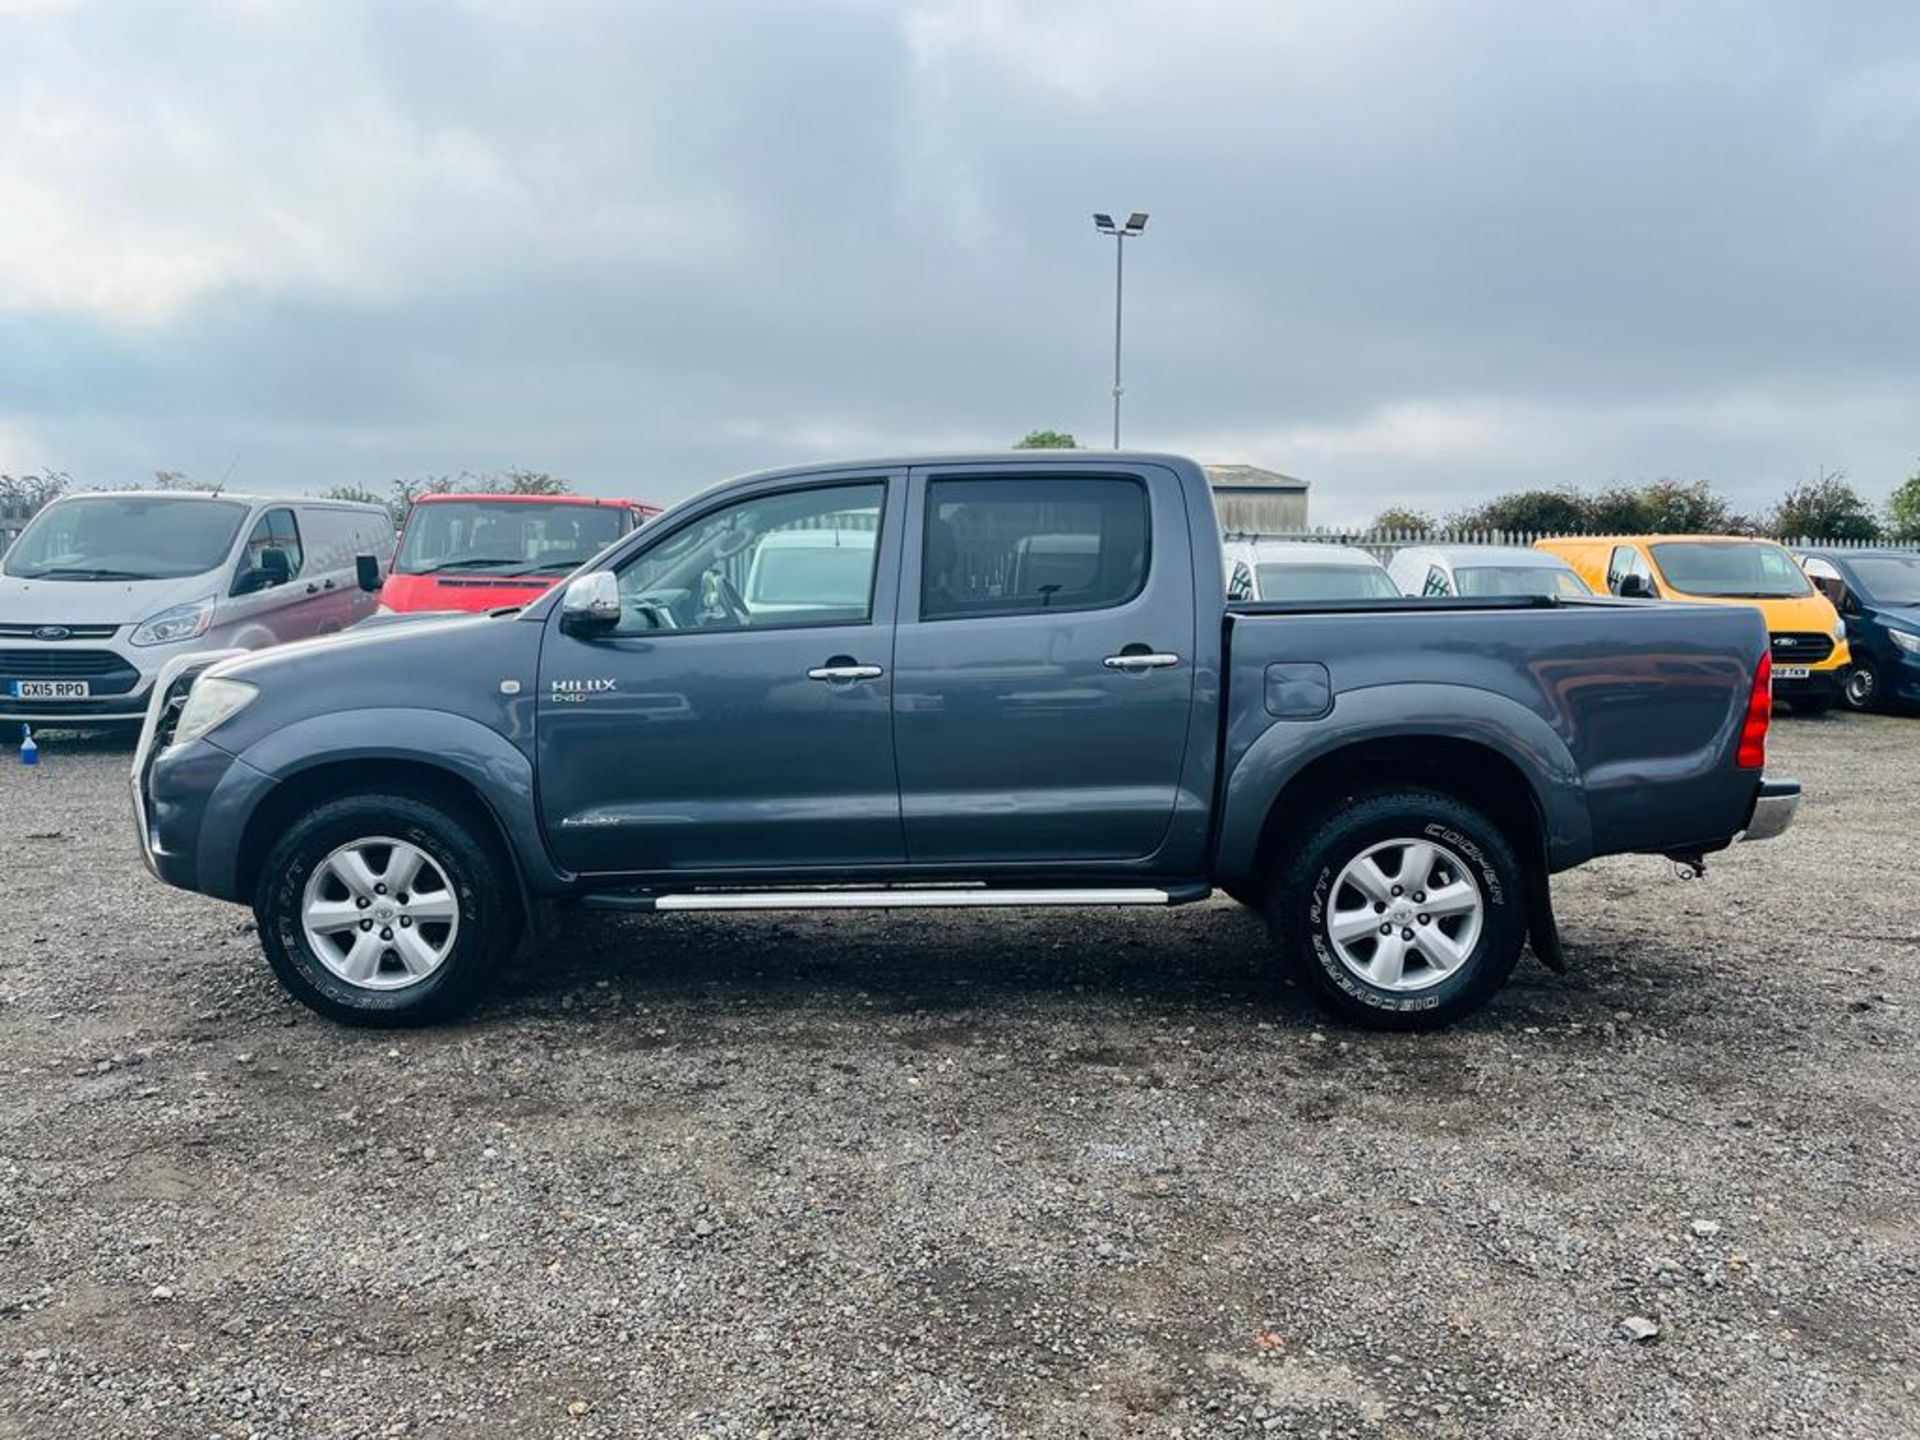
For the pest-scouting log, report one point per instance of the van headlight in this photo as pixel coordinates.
(1906, 640)
(1839, 629)
(182, 622)
(211, 703)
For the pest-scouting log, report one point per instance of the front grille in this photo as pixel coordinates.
(1801, 647)
(103, 670)
(74, 632)
(51, 664)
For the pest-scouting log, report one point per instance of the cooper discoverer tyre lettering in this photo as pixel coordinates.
(385, 910)
(1402, 909)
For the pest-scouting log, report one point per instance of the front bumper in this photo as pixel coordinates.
(1773, 809)
(167, 810)
(1900, 679)
(1821, 684)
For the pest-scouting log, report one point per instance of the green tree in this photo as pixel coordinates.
(1903, 511)
(176, 480)
(358, 494)
(1402, 518)
(1562, 511)
(1619, 511)
(1825, 508)
(27, 493)
(1676, 508)
(1046, 440)
(402, 493)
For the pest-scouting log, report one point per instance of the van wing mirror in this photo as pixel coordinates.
(1636, 587)
(591, 604)
(367, 572)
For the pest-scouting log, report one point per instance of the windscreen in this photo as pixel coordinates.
(1519, 580)
(497, 537)
(1324, 582)
(1889, 579)
(1731, 569)
(126, 537)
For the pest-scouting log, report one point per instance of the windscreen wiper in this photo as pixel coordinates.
(82, 572)
(473, 564)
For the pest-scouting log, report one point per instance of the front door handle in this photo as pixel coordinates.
(1141, 660)
(845, 667)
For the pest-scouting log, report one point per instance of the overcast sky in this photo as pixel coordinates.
(1413, 252)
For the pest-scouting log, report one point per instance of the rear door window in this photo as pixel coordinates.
(1024, 546)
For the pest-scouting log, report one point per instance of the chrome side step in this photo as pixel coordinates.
(938, 897)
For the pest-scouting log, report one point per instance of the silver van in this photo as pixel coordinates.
(101, 590)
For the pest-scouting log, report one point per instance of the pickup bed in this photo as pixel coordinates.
(995, 680)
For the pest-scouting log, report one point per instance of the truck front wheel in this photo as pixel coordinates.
(1403, 909)
(385, 910)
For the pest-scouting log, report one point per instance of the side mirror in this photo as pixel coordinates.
(366, 570)
(1636, 587)
(591, 605)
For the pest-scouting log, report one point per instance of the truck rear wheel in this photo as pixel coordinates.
(1403, 909)
(385, 910)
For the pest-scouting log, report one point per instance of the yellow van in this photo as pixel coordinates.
(1810, 657)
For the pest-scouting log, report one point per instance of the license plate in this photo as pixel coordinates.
(51, 690)
(1791, 672)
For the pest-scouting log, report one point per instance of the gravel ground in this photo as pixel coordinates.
(1049, 1174)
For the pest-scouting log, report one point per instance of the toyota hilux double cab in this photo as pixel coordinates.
(1391, 781)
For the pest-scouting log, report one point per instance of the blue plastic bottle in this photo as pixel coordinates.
(29, 752)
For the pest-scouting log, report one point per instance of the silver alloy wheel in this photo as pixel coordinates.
(1861, 683)
(380, 914)
(1404, 914)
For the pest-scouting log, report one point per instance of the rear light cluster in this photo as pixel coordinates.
(1753, 734)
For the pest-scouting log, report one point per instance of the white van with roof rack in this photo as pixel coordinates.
(100, 590)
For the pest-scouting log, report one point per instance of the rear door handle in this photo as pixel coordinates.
(1141, 660)
(842, 668)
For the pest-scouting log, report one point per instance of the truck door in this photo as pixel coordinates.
(1043, 665)
(724, 722)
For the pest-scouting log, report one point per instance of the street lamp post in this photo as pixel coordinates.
(1135, 223)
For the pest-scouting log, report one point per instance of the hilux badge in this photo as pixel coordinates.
(575, 692)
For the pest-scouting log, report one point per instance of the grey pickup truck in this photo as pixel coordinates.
(995, 680)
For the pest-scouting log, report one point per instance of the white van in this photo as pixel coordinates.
(1476, 570)
(814, 574)
(102, 590)
(1260, 569)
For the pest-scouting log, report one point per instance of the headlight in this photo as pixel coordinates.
(182, 622)
(1906, 640)
(1839, 629)
(211, 703)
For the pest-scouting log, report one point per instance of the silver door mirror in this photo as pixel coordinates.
(591, 603)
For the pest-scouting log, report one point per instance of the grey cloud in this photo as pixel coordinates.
(1411, 252)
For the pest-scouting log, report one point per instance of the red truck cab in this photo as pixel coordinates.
(480, 552)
